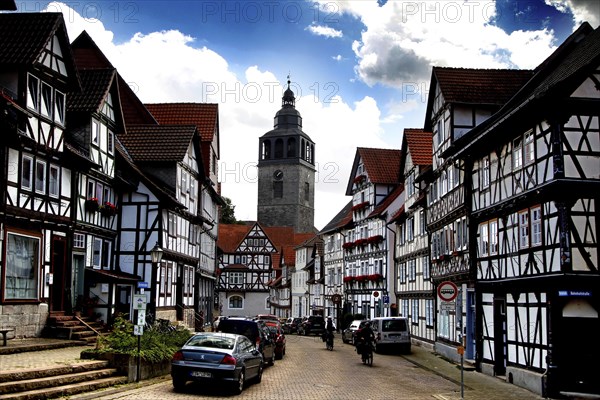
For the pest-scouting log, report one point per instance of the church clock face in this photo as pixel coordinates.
(278, 175)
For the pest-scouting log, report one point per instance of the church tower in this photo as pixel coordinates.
(286, 171)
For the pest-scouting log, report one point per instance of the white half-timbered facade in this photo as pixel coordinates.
(459, 99)
(245, 267)
(414, 290)
(333, 263)
(535, 179)
(36, 207)
(375, 188)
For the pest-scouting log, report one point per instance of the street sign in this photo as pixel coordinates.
(375, 294)
(447, 291)
(448, 306)
(141, 317)
(386, 299)
(139, 301)
(143, 285)
(138, 330)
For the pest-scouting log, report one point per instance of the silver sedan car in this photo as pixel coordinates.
(349, 333)
(217, 357)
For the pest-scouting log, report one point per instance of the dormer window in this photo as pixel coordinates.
(96, 132)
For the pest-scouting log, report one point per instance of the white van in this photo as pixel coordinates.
(391, 332)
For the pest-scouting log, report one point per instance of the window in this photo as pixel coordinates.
(192, 191)
(425, 264)
(236, 302)
(278, 190)
(405, 307)
(415, 311)
(494, 237)
(33, 88)
(484, 241)
(236, 278)
(97, 253)
(410, 229)
(53, 183)
(410, 184)
(40, 177)
(193, 234)
(485, 173)
(306, 191)
(79, 240)
(169, 283)
(422, 222)
(22, 267)
(172, 229)
(46, 103)
(100, 192)
(412, 270)
(429, 312)
(184, 186)
(95, 132)
(402, 272)
(529, 148)
(26, 172)
(517, 154)
(536, 226)
(524, 229)
(110, 142)
(59, 107)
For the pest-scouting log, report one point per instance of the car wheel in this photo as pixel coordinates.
(258, 378)
(239, 384)
(178, 384)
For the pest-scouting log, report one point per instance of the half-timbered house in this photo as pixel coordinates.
(36, 73)
(314, 274)
(459, 99)
(534, 170)
(333, 262)
(204, 204)
(245, 266)
(374, 185)
(414, 291)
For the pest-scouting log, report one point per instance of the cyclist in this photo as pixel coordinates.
(329, 333)
(365, 339)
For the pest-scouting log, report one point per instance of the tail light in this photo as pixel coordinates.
(228, 360)
(258, 342)
(178, 356)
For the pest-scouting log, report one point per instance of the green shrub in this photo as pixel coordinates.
(156, 345)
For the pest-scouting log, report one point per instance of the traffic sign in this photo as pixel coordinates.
(143, 285)
(139, 301)
(447, 291)
(386, 299)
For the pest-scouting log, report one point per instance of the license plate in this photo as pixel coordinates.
(201, 374)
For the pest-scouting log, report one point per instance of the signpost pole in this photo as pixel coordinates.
(139, 305)
(447, 292)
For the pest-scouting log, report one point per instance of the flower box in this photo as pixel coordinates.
(360, 206)
(375, 277)
(359, 179)
(375, 239)
(349, 279)
(108, 209)
(360, 242)
(92, 205)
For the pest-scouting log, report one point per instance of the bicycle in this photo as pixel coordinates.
(329, 341)
(366, 352)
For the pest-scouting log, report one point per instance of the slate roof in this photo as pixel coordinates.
(340, 221)
(24, 35)
(420, 146)
(203, 115)
(479, 86)
(95, 86)
(158, 143)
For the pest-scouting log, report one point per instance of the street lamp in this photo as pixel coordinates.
(156, 255)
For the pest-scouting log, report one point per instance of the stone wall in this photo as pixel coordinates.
(28, 320)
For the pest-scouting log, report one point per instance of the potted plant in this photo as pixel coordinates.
(108, 209)
(92, 205)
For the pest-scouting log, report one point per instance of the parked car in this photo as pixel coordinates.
(277, 332)
(291, 325)
(265, 317)
(313, 325)
(255, 330)
(217, 357)
(349, 333)
(391, 332)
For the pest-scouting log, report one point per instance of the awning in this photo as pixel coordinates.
(110, 276)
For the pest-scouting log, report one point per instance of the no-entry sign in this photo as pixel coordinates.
(447, 291)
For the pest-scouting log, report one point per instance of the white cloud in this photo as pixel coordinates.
(582, 10)
(165, 66)
(326, 31)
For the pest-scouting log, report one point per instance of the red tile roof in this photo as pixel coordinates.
(87, 54)
(204, 115)
(479, 86)
(420, 146)
(231, 235)
(382, 165)
(158, 143)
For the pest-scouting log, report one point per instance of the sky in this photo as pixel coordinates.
(360, 69)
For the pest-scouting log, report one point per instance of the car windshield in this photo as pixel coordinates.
(216, 342)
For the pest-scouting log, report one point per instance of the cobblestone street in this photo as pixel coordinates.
(309, 371)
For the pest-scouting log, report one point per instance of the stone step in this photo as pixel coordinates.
(44, 372)
(54, 381)
(66, 390)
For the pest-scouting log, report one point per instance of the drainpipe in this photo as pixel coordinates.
(393, 270)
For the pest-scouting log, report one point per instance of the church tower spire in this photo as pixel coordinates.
(286, 170)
